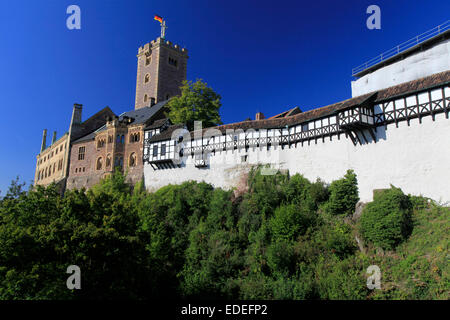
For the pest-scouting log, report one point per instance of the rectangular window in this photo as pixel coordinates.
(155, 151)
(304, 127)
(81, 151)
(163, 150)
(173, 62)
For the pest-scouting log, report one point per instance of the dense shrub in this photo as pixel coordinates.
(289, 221)
(193, 241)
(343, 195)
(387, 220)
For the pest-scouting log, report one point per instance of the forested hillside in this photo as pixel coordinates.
(285, 238)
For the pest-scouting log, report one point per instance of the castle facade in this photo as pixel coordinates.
(393, 130)
(105, 142)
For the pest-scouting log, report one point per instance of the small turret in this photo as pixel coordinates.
(44, 140)
(54, 137)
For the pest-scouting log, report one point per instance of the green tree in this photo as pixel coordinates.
(343, 194)
(197, 102)
(387, 220)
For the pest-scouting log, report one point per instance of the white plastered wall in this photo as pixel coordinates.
(415, 158)
(419, 65)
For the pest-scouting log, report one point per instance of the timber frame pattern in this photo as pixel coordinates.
(358, 122)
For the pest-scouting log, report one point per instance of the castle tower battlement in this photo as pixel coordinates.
(161, 70)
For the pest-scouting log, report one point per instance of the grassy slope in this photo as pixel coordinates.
(419, 268)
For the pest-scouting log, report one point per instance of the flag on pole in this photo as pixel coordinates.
(158, 18)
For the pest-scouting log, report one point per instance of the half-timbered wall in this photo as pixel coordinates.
(407, 146)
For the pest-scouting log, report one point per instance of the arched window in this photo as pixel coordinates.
(147, 78)
(133, 160)
(138, 136)
(76, 170)
(118, 139)
(147, 61)
(108, 160)
(145, 98)
(99, 163)
(118, 161)
(122, 139)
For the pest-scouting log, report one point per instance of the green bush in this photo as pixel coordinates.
(343, 194)
(387, 220)
(289, 221)
(194, 241)
(280, 257)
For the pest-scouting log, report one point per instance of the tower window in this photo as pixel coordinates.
(81, 151)
(133, 160)
(147, 78)
(145, 98)
(173, 62)
(99, 163)
(147, 61)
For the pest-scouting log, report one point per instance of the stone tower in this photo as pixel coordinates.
(160, 72)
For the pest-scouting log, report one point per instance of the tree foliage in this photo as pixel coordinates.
(343, 194)
(387, 221)
(197, 102)
(193, 241)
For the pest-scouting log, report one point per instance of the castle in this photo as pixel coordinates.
(392, 131)
(93, 149)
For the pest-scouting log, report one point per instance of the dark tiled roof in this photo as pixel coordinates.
(377, 96)
(139, 116)
(166, 134)
(88, 137)
(96, 121)
(157, 124)
(414, 86)
(143, 114)
(287, 113)
(401, 89)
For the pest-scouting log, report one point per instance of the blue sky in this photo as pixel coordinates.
(260, 55)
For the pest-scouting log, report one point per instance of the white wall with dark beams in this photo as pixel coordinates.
(412, 151)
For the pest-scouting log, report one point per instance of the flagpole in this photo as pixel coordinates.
(163, 29)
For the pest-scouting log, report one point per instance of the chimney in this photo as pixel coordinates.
(54, 137)
(76, 114)
(259, 116)
(75, 123)
(152, 102)
(44, 138)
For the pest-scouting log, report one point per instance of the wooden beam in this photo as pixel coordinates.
(362, 133)
(431, 105)
(406, 110)
(445, 102)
